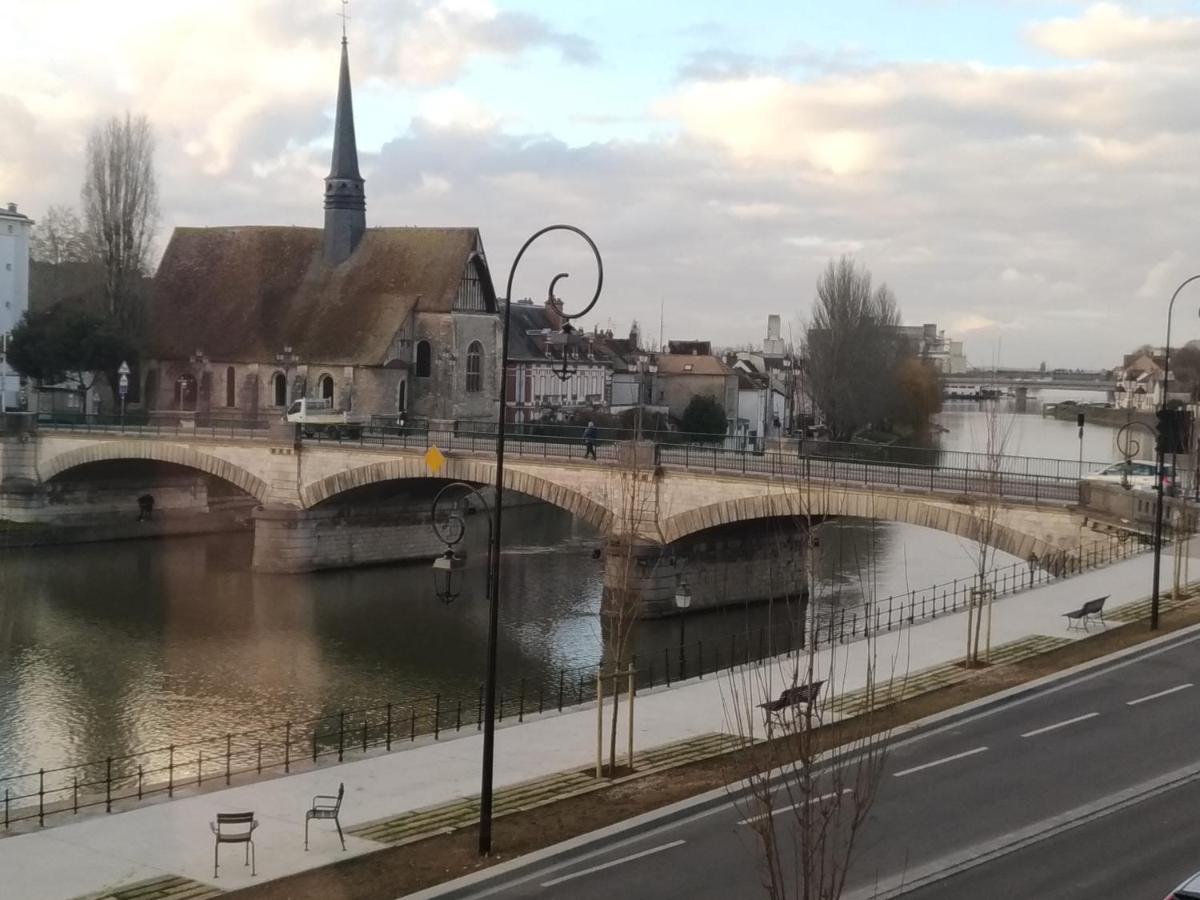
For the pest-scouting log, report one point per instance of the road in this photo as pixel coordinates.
(1079, 773)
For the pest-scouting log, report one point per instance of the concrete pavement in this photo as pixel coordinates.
(101, 854)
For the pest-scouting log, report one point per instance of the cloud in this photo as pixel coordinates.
(1107, 31)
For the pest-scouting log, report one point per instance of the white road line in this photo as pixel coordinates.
(791, 806)
(1178, 687)
(938, 762)
(1062, 724)
(612, 862)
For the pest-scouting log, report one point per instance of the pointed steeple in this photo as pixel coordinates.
(345, 198)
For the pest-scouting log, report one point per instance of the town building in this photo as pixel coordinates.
(1138, 382)
(553, 375)
(243, 320)
(15, 229)
(768, 393)
(929, 342)
(680, 377)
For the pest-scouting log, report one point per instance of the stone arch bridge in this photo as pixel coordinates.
(654, 501)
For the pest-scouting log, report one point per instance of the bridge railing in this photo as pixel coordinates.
(173, 426)
(284, 746)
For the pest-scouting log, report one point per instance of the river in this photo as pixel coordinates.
(114, 648)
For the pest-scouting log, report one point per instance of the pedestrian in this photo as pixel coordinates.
(146, 508)
(589, 438)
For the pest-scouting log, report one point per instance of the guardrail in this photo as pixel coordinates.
(299, 743)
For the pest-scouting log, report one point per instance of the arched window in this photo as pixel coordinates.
(279, 389)
(424, 360)
(326, 387)
(474, 381)
(402, 401)
(230, 387)
(185, 392)
(150, 396)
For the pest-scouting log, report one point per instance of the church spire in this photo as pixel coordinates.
(345, 199)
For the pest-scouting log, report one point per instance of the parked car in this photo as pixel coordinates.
(1189, 890)
(1134, 473)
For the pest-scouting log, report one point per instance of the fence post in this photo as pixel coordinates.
(561, 676)
(314, 744)
(199, 767)
(228, 754)
(388, 729)
(412, 723)
(341, 733)
(258, 764)
(42, 794)
(437, 716)
(700, 657)
(287, 747)
(75, 791)
(171, 771)
(479, 711)
(521, 702)
(364, 741)
(6, 809)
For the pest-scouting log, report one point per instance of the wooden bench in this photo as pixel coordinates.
(1093, 610)
(790, 698)
(234, 828)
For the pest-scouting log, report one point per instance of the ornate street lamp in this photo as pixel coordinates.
(449, 567)
(683, 599)
(496, 518)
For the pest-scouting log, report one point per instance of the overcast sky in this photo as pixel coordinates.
(1022, 172)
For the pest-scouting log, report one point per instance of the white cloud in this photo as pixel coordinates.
(1107, 31)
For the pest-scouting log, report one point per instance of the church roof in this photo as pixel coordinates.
(344, 162)
(243, 294)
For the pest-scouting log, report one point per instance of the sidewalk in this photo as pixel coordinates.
(169, 843)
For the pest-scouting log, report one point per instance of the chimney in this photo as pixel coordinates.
(554, 314)
(12, 207)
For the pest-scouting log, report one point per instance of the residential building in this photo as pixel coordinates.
(1139, 382)
(379, 320)
(15, 228)
(683, 376)
(541, 387)
(769, 395)
(929, 342)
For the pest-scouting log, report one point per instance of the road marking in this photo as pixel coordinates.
(1178, 687)
(1062, 724)
(938, 762)
(791, 806)
(612, 862)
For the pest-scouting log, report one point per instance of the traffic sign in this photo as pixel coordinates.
(123, 385)
(124, 368)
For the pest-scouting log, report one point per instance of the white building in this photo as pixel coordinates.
(14, 291)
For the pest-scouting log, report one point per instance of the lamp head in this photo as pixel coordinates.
(447, 576)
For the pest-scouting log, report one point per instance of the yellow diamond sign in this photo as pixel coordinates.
(435, 459)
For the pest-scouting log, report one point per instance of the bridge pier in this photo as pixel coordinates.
(750, 562)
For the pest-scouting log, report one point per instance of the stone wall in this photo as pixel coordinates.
(294, 541)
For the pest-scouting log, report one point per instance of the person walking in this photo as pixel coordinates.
(589, 439)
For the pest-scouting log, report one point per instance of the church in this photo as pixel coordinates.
(243, 320)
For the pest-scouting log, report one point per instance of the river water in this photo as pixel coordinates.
(114, 648)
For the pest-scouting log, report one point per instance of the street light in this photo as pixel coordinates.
(1160, 461)
(451, 531)
(683, 599)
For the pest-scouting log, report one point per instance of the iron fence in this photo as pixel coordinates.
(284, 746)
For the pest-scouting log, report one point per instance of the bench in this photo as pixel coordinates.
(1093, 610)
(234, 828)
(790, 698)
(326, 807)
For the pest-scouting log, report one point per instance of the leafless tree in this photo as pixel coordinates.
(852, 348)
(120, 208)
(61, 237)
(814, 782)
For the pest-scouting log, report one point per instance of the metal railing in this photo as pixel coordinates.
(204, 426)
(299, 743)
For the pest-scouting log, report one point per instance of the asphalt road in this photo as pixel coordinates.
(956, 794)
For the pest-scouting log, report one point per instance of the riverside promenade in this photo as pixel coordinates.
(104, 855)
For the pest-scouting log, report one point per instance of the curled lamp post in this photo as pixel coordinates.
(1160, 459)
(494, 534)
(449, 566)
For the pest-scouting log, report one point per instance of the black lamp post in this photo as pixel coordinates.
(451, 532)
(1160, 460)
(683, 599)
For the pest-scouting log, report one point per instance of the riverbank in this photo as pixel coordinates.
(1098, 415)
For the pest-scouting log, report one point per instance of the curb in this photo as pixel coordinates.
(476, 884)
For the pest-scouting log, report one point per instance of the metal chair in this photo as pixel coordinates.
(234, 828)
(326, 807)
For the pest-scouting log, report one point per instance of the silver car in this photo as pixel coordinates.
(1134, 473)
(1189, 890)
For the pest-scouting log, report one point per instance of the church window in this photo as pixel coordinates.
(424, 366)
(230, 387)
(279, 389)
(326, 387)
(402, 402)
(474, 381)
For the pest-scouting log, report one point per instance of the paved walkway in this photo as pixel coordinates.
(165, 850)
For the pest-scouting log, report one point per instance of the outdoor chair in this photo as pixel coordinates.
(790, 699)
(326, 807)
(234, 828)
(1093, 610)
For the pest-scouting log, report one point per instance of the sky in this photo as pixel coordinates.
(1021, 172)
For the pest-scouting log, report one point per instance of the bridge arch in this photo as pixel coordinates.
(474, 471)
(156, 451)
(912, 510)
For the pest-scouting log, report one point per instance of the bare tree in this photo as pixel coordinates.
(851, 348)
(814, 782)
(60, 237)
(120, 208)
